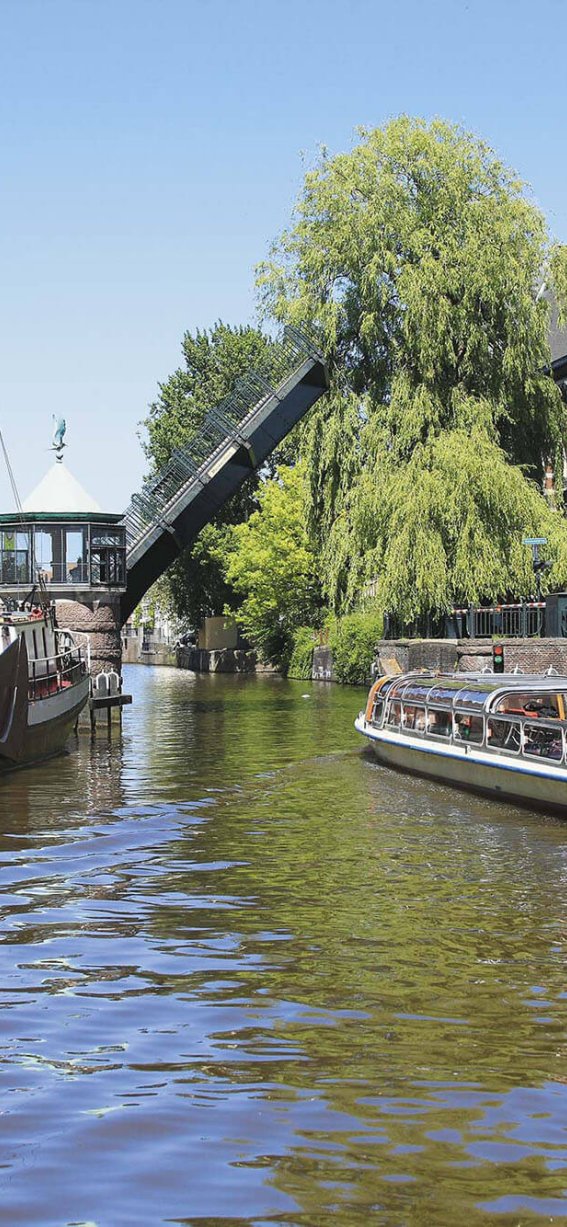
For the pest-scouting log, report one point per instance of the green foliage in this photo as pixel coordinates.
(272, 567)
(303, 643)
(156, 601)
(352, 641)
(558, 279)
(213, 360)
(195, 581)
(417, 258)
(444, 529)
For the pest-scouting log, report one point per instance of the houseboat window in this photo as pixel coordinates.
(541, 742)
(544, 706)
(413, 718)
(469, 727)
(503, 735)
(439, 723)
(393, 714)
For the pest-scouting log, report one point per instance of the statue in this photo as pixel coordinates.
(59, 428)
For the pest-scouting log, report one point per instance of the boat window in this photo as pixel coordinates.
(542, 742)
(445, 692)
(377, 709)
(474, 698)
(529, 703)
(504, 735)
(413, 718)
(469, 727)
(417, 692)
(5, 638)
(439, 723)
(398, 686)
(393, 715)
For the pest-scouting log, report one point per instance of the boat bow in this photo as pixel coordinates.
(13, 699)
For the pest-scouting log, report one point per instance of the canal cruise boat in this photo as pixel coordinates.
(500, 734)
(44, 685)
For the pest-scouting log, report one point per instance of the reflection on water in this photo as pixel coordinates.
(249, 976)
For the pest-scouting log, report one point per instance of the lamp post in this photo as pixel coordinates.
(539, 564)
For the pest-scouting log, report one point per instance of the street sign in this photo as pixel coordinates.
(534, 540)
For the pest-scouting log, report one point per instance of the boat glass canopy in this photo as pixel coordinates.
(477, 693)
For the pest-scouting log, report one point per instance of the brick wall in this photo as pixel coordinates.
(468, 655)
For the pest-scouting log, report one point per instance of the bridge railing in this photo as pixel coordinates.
(221, 425)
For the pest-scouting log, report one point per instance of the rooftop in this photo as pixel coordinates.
(59, 493)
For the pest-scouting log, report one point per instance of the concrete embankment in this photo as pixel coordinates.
(223, 660)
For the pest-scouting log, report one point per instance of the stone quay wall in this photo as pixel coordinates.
(469, 655)
(225, 660)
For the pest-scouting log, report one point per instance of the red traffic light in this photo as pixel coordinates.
(498, 657)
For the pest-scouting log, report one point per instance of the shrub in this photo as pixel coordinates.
(352, 640)
(301, 663)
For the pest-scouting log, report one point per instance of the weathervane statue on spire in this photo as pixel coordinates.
(59, 428)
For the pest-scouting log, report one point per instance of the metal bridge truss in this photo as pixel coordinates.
(236, 437)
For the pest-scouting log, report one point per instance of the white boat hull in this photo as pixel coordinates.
(497, 775)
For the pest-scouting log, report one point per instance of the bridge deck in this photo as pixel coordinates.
(236, 438)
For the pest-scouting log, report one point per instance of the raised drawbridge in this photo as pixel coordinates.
(236, 437)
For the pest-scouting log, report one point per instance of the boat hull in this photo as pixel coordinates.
(48, 725)
(497, 776)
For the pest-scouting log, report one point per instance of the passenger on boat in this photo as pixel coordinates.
(543, 742)
(469, 728)
(439, 723)
(503, 735)
(544, 706)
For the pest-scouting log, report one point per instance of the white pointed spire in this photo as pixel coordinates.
(59, 491)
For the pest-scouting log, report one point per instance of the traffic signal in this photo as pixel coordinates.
(497, 658)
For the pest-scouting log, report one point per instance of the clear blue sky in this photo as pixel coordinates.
(152, 148)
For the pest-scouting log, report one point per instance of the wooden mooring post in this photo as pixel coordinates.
(106, 695)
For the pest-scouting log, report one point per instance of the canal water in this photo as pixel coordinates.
(248, 976)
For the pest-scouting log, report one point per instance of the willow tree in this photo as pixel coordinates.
(417, 258)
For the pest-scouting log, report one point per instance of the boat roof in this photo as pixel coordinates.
(471, 690)
(20, 620)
